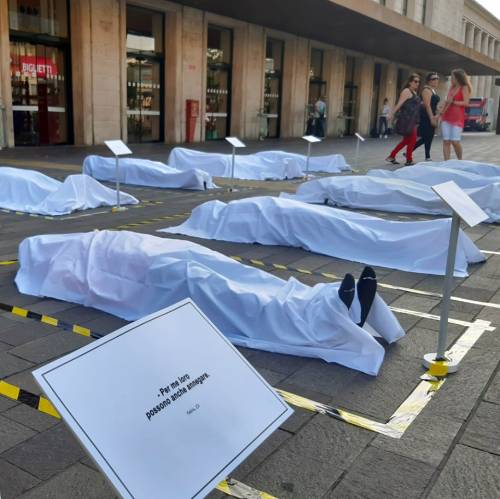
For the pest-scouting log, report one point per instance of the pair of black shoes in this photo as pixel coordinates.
(366, 287)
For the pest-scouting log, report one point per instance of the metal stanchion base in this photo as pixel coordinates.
(439, 367)
(116, 209)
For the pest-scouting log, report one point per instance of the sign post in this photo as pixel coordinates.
(118, 148)
(311, 139)
(166, 406)
(463, 208)
(359, 139)
(236, 143)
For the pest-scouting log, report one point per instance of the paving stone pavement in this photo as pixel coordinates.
(451, 450)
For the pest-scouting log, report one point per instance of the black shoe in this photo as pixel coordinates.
(392, 160)
(347, 290)
(367, 288)
(409, 163)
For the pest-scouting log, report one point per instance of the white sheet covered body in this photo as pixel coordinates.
(131, 275)
(482, 169)
(432, 175)
(390, 194)
(411, 246)
(137, 171)
(33, 192)
(246, 166)
(332, 163)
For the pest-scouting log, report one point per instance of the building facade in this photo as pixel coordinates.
(84, 71)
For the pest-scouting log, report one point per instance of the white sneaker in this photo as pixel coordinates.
(385, 137)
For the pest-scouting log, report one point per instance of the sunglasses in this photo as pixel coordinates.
(415, 81)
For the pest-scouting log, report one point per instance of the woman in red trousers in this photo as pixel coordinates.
(407, 108)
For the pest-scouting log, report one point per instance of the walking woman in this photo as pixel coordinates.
(406, 110)
(428, 114)
(453, 115)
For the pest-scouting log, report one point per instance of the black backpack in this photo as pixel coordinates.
(407, 116)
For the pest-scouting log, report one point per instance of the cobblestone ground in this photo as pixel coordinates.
(451, 450)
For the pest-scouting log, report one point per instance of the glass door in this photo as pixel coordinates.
(350, 97)
(39, 94)
(218, 96)
(144, 117)
(272, 86)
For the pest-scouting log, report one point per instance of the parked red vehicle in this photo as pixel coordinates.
(478, 114)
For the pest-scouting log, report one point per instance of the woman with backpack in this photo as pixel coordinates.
(407, 113)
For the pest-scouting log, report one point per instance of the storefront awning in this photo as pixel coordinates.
(360, 25)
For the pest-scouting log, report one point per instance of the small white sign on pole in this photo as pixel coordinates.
(460, 202)
(236, 143)
(358, 141)
(464, 208)
(311, 139)
(166, 406)
(118, 148)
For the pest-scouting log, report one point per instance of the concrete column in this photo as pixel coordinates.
(412, 9)
(334, 71)
(81, 70)
(106, 67)
(295, 87)
(193, 69)
(477, 47)
(365, 85)
(5, 82)
(391, 90)
(469, 35)
(174, 106)
(489, 86)
(253, 81)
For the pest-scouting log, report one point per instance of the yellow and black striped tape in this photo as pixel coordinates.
(153, 220)
(51, 321)
(35, 401)
(234, 488)
(143, 204)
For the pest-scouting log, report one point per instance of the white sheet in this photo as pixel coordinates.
(246, 166)
(137, 171)
(481, 169)
(432, 175)
(131, 275)
(391, 194)
(33, 192)
(332, 163)
(410, 246)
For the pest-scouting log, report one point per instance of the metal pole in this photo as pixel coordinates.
(448, 281)
(117, 171)
(232, 169)
(308, 156)
(357, 153)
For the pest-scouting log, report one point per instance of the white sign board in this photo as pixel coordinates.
(359, 137)
(311, 138)
(460, 202)
(166, 406)
(118, 147)
(235, 142)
